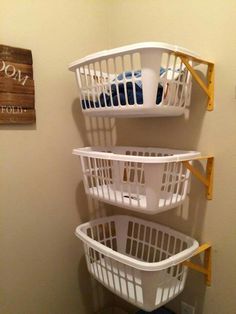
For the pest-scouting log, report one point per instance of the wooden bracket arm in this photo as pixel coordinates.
(206, 269)
(206, 179)
(208, 87)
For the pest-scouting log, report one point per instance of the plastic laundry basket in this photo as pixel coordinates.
(145, 79)
(148, 180)
(138, 260)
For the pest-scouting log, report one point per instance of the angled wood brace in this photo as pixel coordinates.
(206, 179)
(208, 87)
(206, 269)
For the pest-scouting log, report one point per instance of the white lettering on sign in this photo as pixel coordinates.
(12, 72)
(19, 78)
(2, 65)
(12, 109)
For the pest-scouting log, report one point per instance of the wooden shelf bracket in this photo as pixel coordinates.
(206, 269)
(208, 87)
(206, 179)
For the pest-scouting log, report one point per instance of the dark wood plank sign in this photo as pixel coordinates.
(17, 104)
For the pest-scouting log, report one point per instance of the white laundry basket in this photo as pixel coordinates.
(145, 79)
(138, 260)
(148, 180)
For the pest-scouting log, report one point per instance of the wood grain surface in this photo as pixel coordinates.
(17, 94)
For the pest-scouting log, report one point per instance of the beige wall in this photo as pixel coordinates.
(207, 27)
(42, 198)
(42, 265)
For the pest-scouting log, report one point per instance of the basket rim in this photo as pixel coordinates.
(131, 48)
(95, 152)
(130, 261)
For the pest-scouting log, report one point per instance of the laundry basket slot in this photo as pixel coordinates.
(147, 79)
(148, 180)
(138, 260)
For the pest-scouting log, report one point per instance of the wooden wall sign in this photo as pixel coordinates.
(16, 86)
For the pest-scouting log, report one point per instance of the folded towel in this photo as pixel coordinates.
(117, 91)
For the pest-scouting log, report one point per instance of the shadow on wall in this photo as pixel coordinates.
(19, 127)
(191, 295)
(101, 132)
(94, 296)
(89, 208)
(94, 130)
